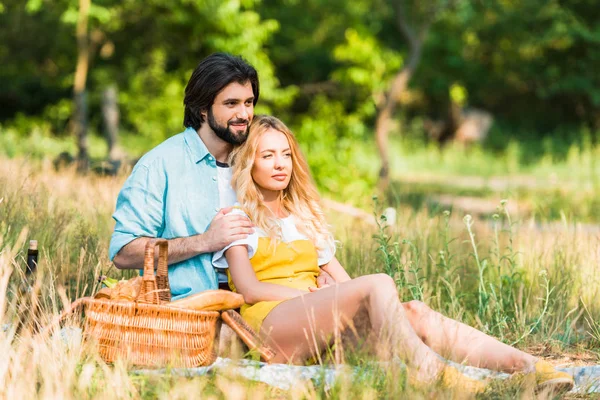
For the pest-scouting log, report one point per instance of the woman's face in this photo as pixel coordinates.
(272, 168)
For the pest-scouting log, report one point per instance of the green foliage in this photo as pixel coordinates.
(331, 140)
(154, 120)
(367, 67)
(324, 68)
(491, 287)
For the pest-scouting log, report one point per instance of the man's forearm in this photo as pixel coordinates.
(131, 256)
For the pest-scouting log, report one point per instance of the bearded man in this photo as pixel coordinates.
(181, 190)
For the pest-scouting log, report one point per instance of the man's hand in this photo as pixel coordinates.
(224, 229)
(324, 279)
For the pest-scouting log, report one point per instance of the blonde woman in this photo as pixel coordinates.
(275, 270)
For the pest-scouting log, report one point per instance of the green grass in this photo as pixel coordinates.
(529, 277)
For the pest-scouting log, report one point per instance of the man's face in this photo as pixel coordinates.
(231, 113)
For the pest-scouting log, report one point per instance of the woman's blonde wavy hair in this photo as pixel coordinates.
(300, 198)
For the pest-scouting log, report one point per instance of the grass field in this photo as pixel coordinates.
(513, 252)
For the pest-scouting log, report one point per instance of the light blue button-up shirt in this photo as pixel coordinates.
(172, 192)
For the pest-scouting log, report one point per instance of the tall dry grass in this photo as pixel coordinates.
(526, 282)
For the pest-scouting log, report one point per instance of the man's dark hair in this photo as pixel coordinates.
(209, 78)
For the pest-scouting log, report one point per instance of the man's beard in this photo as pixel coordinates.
(225, 133)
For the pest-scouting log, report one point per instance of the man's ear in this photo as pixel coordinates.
(203, 114)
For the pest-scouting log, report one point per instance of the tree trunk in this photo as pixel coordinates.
(415, 39)
(79, 87)
(384, 117)
(110, 115)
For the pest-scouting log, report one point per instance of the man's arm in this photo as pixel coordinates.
(131, 256)
(224, 229)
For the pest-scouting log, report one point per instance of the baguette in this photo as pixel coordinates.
(127, 290)
(123, 290)
(210, 300)
(103, 293)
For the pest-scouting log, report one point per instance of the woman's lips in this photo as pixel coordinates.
(280, 177)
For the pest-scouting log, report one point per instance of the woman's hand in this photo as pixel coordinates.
(324, 279)
(316, 289)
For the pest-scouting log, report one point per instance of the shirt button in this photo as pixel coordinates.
(214, 178)
(210, 158)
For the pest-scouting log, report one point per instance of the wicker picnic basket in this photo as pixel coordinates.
(147, 332)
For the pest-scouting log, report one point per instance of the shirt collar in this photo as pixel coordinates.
(196, 145)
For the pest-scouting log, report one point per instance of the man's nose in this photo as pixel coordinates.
(243, 112)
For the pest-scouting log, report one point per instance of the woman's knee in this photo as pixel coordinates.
(382, 282)
(375, 286)
(416, 310)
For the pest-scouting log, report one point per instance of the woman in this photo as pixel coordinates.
(276, 267)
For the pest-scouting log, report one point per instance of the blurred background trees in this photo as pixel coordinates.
(527, 70)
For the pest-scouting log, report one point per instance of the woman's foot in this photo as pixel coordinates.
(544, 377)
(550, 379)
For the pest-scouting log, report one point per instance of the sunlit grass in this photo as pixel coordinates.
(528, 284)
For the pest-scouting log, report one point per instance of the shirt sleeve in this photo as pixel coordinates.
(251, 242)
(325, 254)
(140, 207)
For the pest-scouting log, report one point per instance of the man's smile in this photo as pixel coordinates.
(243, 124)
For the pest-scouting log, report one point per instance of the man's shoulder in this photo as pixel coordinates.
(167, 152)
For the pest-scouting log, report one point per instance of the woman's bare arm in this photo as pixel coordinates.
(248, 285)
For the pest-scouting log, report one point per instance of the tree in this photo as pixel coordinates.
(413, 22)
(80, 124)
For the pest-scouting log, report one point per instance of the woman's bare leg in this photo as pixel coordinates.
(462, 343)
(303, 326)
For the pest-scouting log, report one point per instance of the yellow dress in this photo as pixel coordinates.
(293, 264)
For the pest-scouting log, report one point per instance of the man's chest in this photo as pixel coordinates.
(191, 202)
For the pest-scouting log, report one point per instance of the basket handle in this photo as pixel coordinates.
(247, 334)
(162, 271)
(155, 288)
(74, 306)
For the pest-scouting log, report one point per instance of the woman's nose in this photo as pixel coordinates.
(278, 162)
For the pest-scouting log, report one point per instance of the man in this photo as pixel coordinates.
(181, 189)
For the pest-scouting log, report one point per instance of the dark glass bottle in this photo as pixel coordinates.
(28, 302)
(32, 257)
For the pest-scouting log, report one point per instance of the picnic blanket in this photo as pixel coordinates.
(283, 376)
